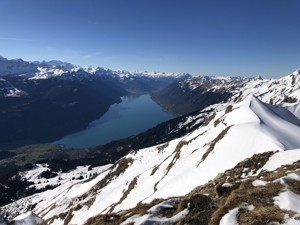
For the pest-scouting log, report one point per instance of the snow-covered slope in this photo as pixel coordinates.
(232, 134)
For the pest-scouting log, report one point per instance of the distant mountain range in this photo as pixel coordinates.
(64, 70)
(43, 101)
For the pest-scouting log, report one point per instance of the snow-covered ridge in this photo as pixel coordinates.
(285, 90)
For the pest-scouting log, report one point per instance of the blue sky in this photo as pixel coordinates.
(202, 37)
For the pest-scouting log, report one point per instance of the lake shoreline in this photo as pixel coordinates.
(135, 114)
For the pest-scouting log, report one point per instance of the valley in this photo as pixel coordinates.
(133, 115)
(42, 102)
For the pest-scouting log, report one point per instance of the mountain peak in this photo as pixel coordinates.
(296, 72)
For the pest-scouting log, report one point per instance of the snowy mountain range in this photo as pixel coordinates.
(64, 70)
(240, 165)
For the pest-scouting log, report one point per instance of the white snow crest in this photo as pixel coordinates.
(282, 158)
(288, 200)
(230, 217)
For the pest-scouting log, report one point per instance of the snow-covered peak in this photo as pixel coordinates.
(92, 69)
(296, 72)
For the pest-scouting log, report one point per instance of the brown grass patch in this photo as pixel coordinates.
(118, 168)
(213, 143)
(154, 170)
(217, 121)
(176, 156)
(162, 147)
(69, 217)
(280, 172)
(294, 185)
(200, 208)
(289, 99)
(125, 193)
(229, 109)
(209, 119)
(117, 218)
(261, 216)
(107, 219)
(260, 197)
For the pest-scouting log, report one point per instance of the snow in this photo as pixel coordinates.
(128, 74)
(230, 217)
(33, 175)
(288, 200)
(28, 218)
(295, 109)
(68, 191)
(277, 123)
(23, 216)
(94, 72)
(295, 220)
(296, 72)
(63, 70)
(259, 183)
(292, 176)
(227, 185)
(164, 205)
(282, 158)
(152, 219)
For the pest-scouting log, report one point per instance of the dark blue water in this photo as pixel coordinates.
(133, 115)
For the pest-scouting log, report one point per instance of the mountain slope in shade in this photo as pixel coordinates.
(197, 93)
(232, 134)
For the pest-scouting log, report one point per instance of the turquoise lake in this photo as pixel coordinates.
(133, 115)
